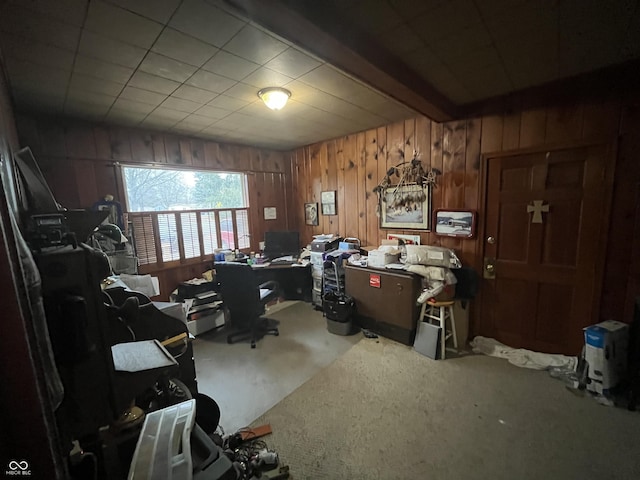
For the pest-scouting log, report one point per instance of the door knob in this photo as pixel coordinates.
(489, 270)
(491, 240)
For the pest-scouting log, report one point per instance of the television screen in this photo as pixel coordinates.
(279, 244)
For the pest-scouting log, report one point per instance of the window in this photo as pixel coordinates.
(179, 215)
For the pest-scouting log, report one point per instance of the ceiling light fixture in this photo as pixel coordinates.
(274, 97)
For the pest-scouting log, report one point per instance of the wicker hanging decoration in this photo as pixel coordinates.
(413, 177)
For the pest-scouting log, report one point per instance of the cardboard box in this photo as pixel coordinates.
(606, 354)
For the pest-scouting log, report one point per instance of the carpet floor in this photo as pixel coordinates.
(247, 382)
(383, 411)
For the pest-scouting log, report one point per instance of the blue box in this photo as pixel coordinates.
(348, 246)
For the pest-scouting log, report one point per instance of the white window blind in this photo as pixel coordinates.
(168, 237)
(209, 235)
(226, 230)
(242, 224)
(144, 239)
(185, 235)
(190, 239)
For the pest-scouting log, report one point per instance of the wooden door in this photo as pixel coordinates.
(546, 275)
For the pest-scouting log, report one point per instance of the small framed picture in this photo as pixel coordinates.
(328, 199)
(455, 223)
(270, 213)
(311, 213)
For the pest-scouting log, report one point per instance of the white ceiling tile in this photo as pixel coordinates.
(93, 98)
(212, 112)
(142, 96)
(158, 10)
(125, 117)
(255, 45)
(157, 122)
(461, 66)
(461, 42)
(380, 17)
(93, 84)
(400, 40)
(206, 22)
(68, 11)
(411, 8)
(109, 50)
(215, 131)
(23, 73)
(42, 102)
(181, 105)
(133, 106)
(329, 80)
(230, 103)
(187, 92)
(242, 91)
(20, 21)
(210, 81)
(166, 67)
(165, 113)
(196, 121)
(153, 83)
(85, 110)
(122, 25)
(230, 66)
(264, 77)
(36, 52)
(184, 48)
(293, 63)
(99, 69)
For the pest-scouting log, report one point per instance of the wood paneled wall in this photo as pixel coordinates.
(80, 162)
(355, 164)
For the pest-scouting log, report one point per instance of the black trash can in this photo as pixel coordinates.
(339, 309)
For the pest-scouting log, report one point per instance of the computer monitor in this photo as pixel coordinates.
(280, 244)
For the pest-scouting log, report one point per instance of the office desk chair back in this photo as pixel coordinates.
(245, 300)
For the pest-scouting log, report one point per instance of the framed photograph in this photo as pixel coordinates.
(328, 200)
(406, 207)
(311, 213)
(455, 223)
(270, 213)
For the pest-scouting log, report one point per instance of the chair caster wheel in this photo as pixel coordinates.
(253, 345)
(276, 334)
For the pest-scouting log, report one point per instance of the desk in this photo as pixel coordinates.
(386, 303)
(295, 281)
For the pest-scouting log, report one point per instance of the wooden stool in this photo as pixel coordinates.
(439, 312)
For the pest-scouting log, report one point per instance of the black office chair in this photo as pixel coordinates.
(245, 299)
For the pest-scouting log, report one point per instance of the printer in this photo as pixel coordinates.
(325, 243)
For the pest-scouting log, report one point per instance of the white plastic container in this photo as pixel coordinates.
(379, 259)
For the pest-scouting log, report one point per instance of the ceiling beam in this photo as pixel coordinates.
(322, 33)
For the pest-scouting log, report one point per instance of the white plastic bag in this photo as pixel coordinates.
(430, 255)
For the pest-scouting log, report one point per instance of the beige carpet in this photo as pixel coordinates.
(383, 411)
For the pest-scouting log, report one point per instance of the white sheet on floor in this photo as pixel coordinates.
(521, 357)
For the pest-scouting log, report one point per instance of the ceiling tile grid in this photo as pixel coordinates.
(195, 66)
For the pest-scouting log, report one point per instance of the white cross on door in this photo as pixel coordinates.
(537, 208)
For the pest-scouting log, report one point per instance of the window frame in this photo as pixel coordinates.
(155, 241)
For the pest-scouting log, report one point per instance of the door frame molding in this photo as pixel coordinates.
(608, 177)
